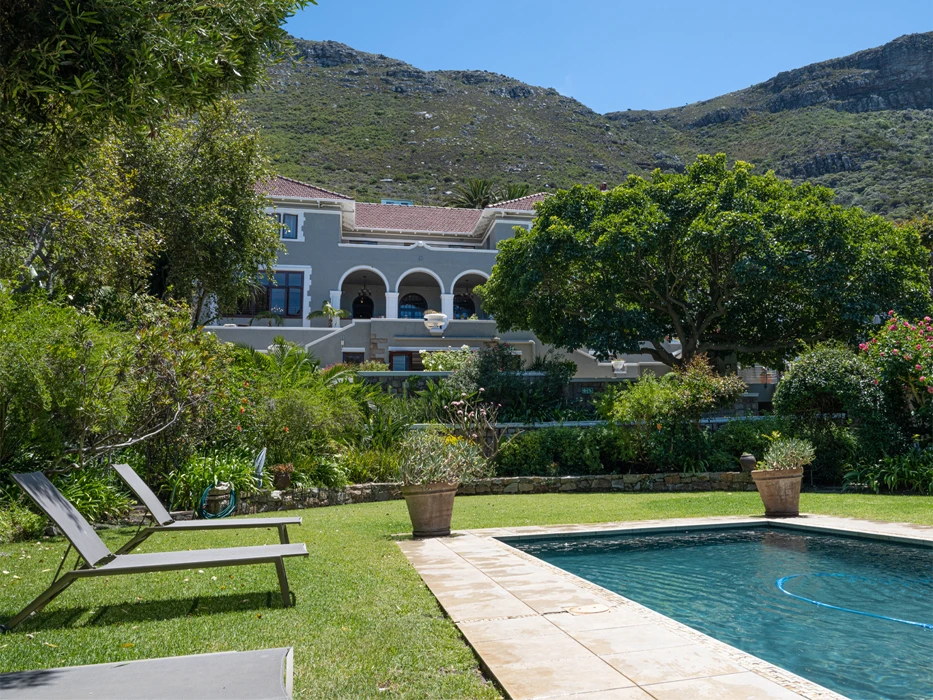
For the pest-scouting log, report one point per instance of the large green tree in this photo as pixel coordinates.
(71, 71)
(82, 239)
(721, 259)
(196, 185)
(177, 214)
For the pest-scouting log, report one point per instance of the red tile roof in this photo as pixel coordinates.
(526, 203)
(287, 187)
(392, 217)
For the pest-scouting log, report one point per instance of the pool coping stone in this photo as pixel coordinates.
(543, 632)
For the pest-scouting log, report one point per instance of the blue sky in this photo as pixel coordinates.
(613, 55)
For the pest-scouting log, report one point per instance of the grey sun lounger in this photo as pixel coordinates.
(259, 675)
(164, 522)
(100, 561)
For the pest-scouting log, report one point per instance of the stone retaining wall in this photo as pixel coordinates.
(266, 500)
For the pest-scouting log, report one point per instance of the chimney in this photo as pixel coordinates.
(603, 187)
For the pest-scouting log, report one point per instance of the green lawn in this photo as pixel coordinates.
(364, 625)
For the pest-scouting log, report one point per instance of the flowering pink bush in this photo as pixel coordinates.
(902, 353)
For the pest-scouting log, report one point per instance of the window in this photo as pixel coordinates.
(463, 307)
(353, 358)
(412, 306)
(405, 361)
(289, 224)
(280, 296)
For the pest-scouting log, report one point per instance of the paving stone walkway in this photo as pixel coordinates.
(545, 633)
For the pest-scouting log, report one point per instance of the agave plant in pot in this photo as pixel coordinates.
(779, 475)
(433, 464)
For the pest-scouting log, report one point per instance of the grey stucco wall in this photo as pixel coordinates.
(325, 260)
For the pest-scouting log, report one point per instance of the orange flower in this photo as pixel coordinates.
(659, 426)
(239, 428)
(242, 410)
(286, 428)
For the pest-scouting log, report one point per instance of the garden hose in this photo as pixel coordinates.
(228, 509)
(781, 581)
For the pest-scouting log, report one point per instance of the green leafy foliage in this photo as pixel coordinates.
(831, 396)
(788, 453)
(901, 355)
(18, 522)
(196, 185)
(477, 193)
(747, 435)
(370, 464)
(73, 70)
(552, 452)
(496, 375)
(85, 241)
(200, 472)
(74, 389)
(96, 492)
(448, 360)
(911, 472)
(431, 456)
(724, 260)
(663, 415)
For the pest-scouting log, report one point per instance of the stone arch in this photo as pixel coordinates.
(484, 275)
(360, 268)
(426, 271)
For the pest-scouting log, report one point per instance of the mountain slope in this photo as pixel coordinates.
(374, 127)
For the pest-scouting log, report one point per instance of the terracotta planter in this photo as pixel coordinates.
(779, 490)
(430, 507)
(282, 480)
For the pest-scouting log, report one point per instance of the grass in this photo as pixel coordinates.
(364, 624)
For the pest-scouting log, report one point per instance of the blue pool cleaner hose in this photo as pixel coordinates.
(228, 510)
(781, 581)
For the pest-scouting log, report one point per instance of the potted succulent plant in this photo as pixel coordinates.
(779, 475)
(433, 465)
(282, 475)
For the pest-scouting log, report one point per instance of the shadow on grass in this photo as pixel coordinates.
(145, 611)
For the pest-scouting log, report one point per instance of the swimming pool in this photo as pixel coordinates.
(852, 614)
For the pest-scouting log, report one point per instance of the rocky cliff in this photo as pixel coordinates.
(374, 126)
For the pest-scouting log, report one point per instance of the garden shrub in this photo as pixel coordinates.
(911, 472)
(17, 522)
(901, 354)
(664, 413)
(449, 360)
(200, 472)
(325, 471)
(747, 435)
(499, 372)
(95, 491)
(363, 465)
(558, 451)
(75, 390)
(831, 396)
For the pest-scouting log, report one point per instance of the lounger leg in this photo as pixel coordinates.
(283, 582)
(283, 534)
(138, 539)
(44, 599)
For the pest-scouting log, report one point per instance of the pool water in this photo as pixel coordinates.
(854, 615)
